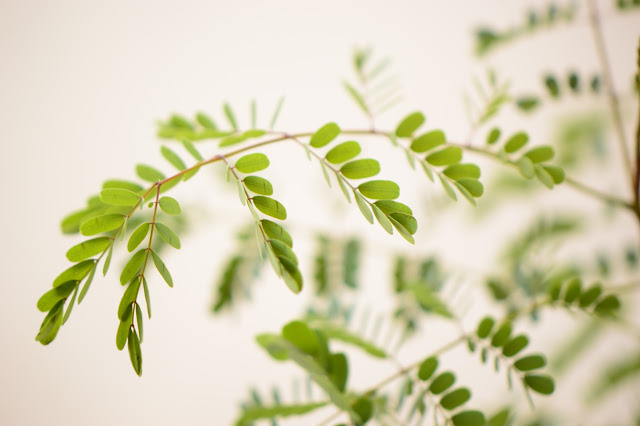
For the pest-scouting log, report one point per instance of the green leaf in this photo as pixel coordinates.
(343, 187)
(283, 250)
(168, 235)
(552, 86)
(573, 290)
(291, 275)
(119, 197)
(574, 82)
(427, 141)
(516, 142)
(363, 206)
(427, 368)
(137, 236)
(232, 140)
(338, 370)
(364, 407)
(305, 339)
(474, 186)
(133, 266)
(258, 185)
(530, 362)
(228, 112)
(169, 205)
(493, 136)
(205, 121)
(445, 157)
(389, 206)
(380, 189)
(485, 327)
(277, 232)
(607, 305)
(139, 320)
(276, 113)
(500, 418)
(148, 173)
(87, 284)
(407, 221)
(515, 345)
(462, 171)
(135, 354)
(402, 230)
(525, 167)
(357, 97)
(447, 188)
(590, 295)
(129, 296)
(122, 184)
(67, 314)
(147, 296)
(468, 418)
(191, 149)
(540, 154)
(540, 383)
(501, 335)
(172, 157)
(123, 330)
(324, 135)
(51, 324)
(556, 173)
(88, 249)
(343, 152)
(427, 170)
(441, 383)
(48, 300)
(382, 219)
(270, 207)
(465, 192)
(455, 399)
(160, 266)
(107, 261)
(252, 413)
(100, 224)
(410, 124)
(527, 103)
(336, 332)
(360, 169)
(252, 163)
(543, 176)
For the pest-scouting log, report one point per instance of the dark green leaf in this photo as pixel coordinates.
(270, 207)
(363, 206)
(139, 321)
(48, 300)
(493, 136)
(441, 383)
(410, 124)
(88, 249)
(67, 314)
(169, 205)
(573, 290)
(540, 154)
(147, 296)
(275, 231)
(455, 398)
(364, 408)
(51, 324)
(380, 189)
(119, 197)
(515, 345)
(252, 163)
(86, 286)
(343, 152)
(75, 273)
(590, 295)
(100, 224)
(501, 335)
(324, 135)
(530, 362)
(516, 142)
(258, 185)
(258, 412)
(462, 171)
(162, 268)
(574, 82)
(338, 370)
(107, 261)
(360, 169)
(445, 157)
(468, 418)
(407, 221)
(129, 296)
(133, 266)
(540, 383)
(135, 354)
(402, 230)
(389, 206)
(291, 274)
(552, 86)
(148, 173)
(607, 305)
(427, 141)
(527, 103)
(427, 368)
(283, 250)
(556, 173)
(123, 330)
(137, 236)
(168, 235)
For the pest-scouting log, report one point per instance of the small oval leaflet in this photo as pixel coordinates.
(283, 250)
(363, 206)
(445, 157)
(100, 224)
(590, 295)
(270, 207)
(441, 383)
(493, 136)
(162, 268)
(407, 221)
(410, 124)
(540, 383)
(468, 418)
(515, 345)
(135, 354)
(119, 197)
(502, 335)
(75, 272)
(343, 152)
(474, 186)
(380, 190)
(129, 296)
(540, 154)
(427, 368)
(148, 173)
(484, 328)
(360, 169)
(252, 163)
(462, 171)
(169, 205)
(382, 219)
(455, 398)
(556, 173)
(48, 300)
(137, 236)
(291, 275)
(88, 248)
(168, 235)
(530, 362)
(172, 157)
(402, 230)
(258, 185)
(516, 142)
(324, 135)
(275, 231)
(132, 267)
(389, 206)
(122, 184)
(427, 141)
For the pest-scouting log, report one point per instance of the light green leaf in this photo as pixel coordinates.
(139, 320)
(410, 124)
(254, 115)
(516, 142)
(122, 184)
(281, 249)
(86, 286)
(258, 185)
(147, 296)
(123, 329)
(382, 219)
(325, 172)
(343, 187)
(169, 205)
(241, 194)
(407, 221)
(162, 268)
(228, 112)
(389, 206)
(474, 186)
(276, 113)
(427, 141)
(100, 224)
(380, 189)
(191, 149)
(525, 167)
(447, 188)
(205, 121)
(129, 296)
(119, 197)
(270, 207)
(133, 266)
(67, 314)
(540, 154)
(501, 335)
(468, 418)
(232, 140)
(360, 169)
(343, 152)
(445, 157)
(540, 383)
(543, 176)
(107, 261)
(172, 157)
(455, 399)
(427, 170)
(252, 163)
(324, 135)
(465, 192)
(275, 231)
(336, 332)
(462, 171)
(556, 173)
(402, 230)
(363, 206)
(88, 249)
(48, 300)
(168, 235)
(51, 324)
(148, 173)
(357, 97)
(291, 275)
(252, 413)
(137, 236)
(135, 354)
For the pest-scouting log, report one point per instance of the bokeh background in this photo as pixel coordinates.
(82, 84)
